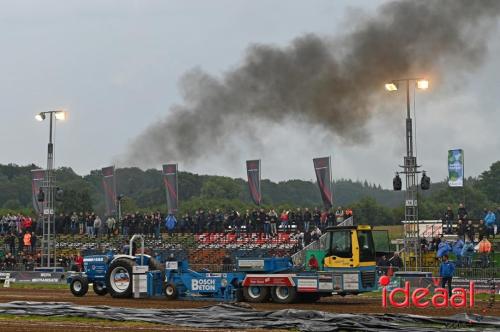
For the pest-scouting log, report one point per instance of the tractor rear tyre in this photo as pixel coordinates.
(283, 294)
(99, 288)
(256, 294)
(79, 286)
(119, 278)
(171, 292)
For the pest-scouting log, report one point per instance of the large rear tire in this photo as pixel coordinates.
(256, 294)
(283, 294)
(119, 278)
(99, 288)
(79, 286)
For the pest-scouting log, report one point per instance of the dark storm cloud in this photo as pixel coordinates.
(330, 82)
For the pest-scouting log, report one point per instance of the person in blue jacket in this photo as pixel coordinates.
(490, 221)
(457, 250)
(446, 271)
(443, 249)
(467, 253)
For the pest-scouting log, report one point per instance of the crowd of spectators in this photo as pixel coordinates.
(20, 241)
(473, 239)
(153, 224)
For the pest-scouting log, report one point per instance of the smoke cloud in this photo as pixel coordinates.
(330, 82)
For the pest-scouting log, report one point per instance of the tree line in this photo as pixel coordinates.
(144, 191)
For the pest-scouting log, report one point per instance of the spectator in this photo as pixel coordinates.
(81, 223)
(313, 263)
(97, 226)
(110, 226)
(316, 217)
(383, 265)
(490, 222)
(307, 220)
(396, 262)
(348, 213)
(33, 242)
(323, 220)
(457, 250)
(443, 249)
(316, 234)
(481, 229)
(467, 252)
(449, 220)
(339, 215)
(497, 217)
(299, 218)
(484, 251)
(273, 218)
(469, 230)
(79, 262)
(446, 271)
(462, 212)
(284, 220)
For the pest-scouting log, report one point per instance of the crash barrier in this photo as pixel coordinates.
(227, 316)
(34, 277)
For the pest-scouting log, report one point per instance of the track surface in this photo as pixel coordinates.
(348, 304)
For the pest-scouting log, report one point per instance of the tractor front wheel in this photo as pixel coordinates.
(79, 286)
(171, 292)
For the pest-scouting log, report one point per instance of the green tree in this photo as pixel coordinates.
(489, 182)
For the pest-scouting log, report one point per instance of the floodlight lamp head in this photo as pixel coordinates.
(40, 116)
(60, 115)
(423, 84)
(391, 86)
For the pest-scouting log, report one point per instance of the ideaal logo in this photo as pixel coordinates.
(439, 299)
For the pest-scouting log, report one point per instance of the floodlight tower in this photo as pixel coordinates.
(410, 169)
(48, 220)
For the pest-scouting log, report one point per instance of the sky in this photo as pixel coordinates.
(115, 66)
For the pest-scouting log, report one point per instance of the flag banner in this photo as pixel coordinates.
(170, 181)
(109, 186)
(324, 178)
(456, 168)
(253, 173)
(37, 178)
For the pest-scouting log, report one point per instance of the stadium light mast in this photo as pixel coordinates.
(410, 169)
(48, 221)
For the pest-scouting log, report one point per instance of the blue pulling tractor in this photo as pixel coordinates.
(348, 267)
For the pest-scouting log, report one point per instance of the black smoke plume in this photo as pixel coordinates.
(331, 82)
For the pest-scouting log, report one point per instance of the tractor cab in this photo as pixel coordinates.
(349, 246)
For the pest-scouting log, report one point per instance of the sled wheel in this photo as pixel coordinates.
(256, 294)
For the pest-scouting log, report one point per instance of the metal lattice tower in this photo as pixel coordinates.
(48, 218)
(410, 169)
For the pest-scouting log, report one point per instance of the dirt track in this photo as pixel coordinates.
(354, 304)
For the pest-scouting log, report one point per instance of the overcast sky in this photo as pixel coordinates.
(115, 65)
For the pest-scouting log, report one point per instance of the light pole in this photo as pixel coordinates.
(412, 237)
(48, 221)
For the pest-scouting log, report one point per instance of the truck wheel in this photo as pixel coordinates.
(309, 297)
(99, 288)
(171, 292)
(79, 286)
(256, 294)
(119, 278)
(283, 294)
